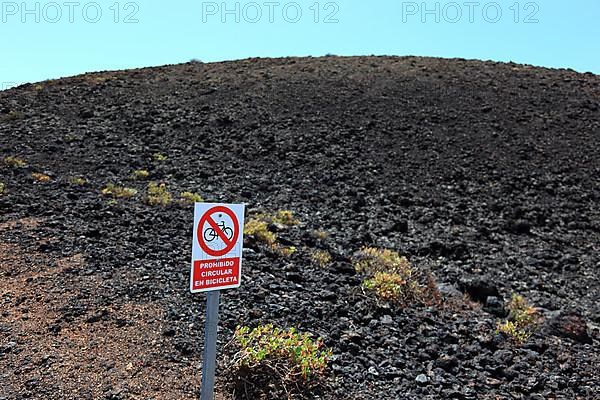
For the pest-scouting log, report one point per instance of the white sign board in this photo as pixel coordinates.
(217, 245)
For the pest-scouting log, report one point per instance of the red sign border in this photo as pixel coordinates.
(236, 231)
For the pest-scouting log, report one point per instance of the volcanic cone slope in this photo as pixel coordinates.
(484, 174)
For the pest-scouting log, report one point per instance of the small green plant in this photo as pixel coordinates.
(118, 192)
(159, 157)
(289, 355)
(391, 286)
(286, 251)
(39, 177)
(158, 195)
(522, 320)
(371, 260)
(14, 162)
(2, 187)
(141, 174)
(13, 116)
(392, 278)
(77, 180)
(320, 235)
(282, 217)
(285, 217)
(321, 258)
(260, 231)
(190, 198)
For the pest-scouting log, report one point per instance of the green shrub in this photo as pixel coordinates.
(285, 217)
(392, 286)
(319, 234)
(14, 162)
(158, 195)
(371, 260)
(159, 157)
(286, 354)
(41, 178)
(321, 258)
(285, 251)
(118, 191)
(2, 187)
(522, 320)
(141, 174)
(391, 277)
(191, 198)
(12, 116)
(259, 230)
(77, 180)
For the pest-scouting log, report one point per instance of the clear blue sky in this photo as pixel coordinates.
(44, 39)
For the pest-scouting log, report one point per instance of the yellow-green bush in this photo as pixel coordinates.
(259, 230)
(321, 257)
(285, 217)
(2, 187)
(159, 157)
(391, 277)
(286, 251)
(287, 354)
(158, 194)
(320, 234)
(371, 260)
(141, 174)
(14, 162)
(522, 320)
(191, 198)
(77, 180)
(118, 191)
(39, 177)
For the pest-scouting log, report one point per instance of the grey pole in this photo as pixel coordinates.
(209, 359)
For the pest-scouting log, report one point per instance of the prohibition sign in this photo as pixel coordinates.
(229, 243)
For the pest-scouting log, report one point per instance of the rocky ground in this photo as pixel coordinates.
(486, 174)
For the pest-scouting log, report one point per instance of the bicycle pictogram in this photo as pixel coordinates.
(211, 234)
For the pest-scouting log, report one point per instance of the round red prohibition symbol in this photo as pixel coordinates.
(218, 230)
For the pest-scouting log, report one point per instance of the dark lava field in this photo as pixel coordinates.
(485, 174)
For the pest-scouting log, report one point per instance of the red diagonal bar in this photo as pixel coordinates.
(217, 229)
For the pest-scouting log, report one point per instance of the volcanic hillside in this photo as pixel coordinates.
(485, 175)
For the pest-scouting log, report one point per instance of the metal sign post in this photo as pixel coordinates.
(209, 358)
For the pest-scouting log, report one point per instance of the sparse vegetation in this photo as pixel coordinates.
(371, 260)
(141, 174)
(260, 231)
(286, 251)
(39, 177)
(14, 162)
(158, 195)
(320, 234)
(522, 320)
(390, 285)
(77, 180)
(287, 355)
(282, 217)
(391, 277)
(118, 192)
(159, 157)
(285, 217)
(12, 116)
(190, 198)
(321, 258)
